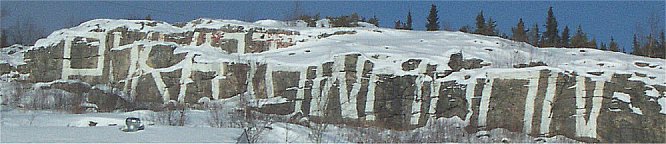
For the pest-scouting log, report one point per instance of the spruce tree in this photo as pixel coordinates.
(534, 35)
(541, 41)
(504, 36)
(491, 28)
(551, 34)
(579, 40)
(465, 29)
(433, 19)
(636, 46)
(408, 25)
(649, 46)
(603, 46)
(661, 49)
(398, 25)
(592, 43)
(612, 46)
(374, 20)
(355, 18)
(480, 24)
(564, 41)
(519, 32)
(3, 39)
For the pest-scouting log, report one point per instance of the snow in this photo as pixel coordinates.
(652, 92)
(385, 48)
(20, 126)
(662, 103)
(369, 103)
(627, 99)
(323, 23)
(546, 111)
(271, 23)
(13, 55)
(261, 102)
(365, 24)
(394, 46)
(587, 127)
(622, 97)
(113, 135)
(485, 102)
(529, 101)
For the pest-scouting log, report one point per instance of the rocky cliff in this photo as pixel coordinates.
(358, 76)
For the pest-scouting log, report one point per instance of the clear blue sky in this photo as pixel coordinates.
(599, 19)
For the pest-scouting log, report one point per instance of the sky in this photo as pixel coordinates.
(599, 19)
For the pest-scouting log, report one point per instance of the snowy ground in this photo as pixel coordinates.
(24, 126)
(47, 126)
(36, 134)
(386, 48)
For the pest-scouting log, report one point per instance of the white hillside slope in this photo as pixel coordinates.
(386, 48)
(393, 46)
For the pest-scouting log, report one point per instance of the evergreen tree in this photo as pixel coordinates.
(550, 35)
(661, 49)
(491, 28)
(3, 38)
(603, 46)
(637, 47)
(344, 20)
(649, 46)
(592, 44)
(480, 24)
(355, 18)
(504, 36)
(433, 19)
(398, 25)
(541, 41)
(564, 41)
(519, 32)
(612, 46)
(308, 19)
(465, 29)
(408, 25)
(374, 20)
(534, 35)
(579, 39)
(317, 17)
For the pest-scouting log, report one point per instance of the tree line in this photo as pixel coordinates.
(651, 44)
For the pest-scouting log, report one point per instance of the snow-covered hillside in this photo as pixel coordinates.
(360, 76)
(389, 45)
(18, 126)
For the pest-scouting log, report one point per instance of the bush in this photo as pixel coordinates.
(173, 114)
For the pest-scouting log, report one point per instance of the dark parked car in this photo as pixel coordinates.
(133, 124)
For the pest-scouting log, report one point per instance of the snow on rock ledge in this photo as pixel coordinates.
(382, 77)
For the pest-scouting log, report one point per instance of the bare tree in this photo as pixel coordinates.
(255, 124)
(216, 115)
(317, 129)
(173, 114)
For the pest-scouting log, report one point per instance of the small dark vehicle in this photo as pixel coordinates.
(133, 124)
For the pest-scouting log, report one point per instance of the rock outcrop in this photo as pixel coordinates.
(152, 63)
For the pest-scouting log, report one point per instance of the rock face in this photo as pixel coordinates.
(150, 68)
